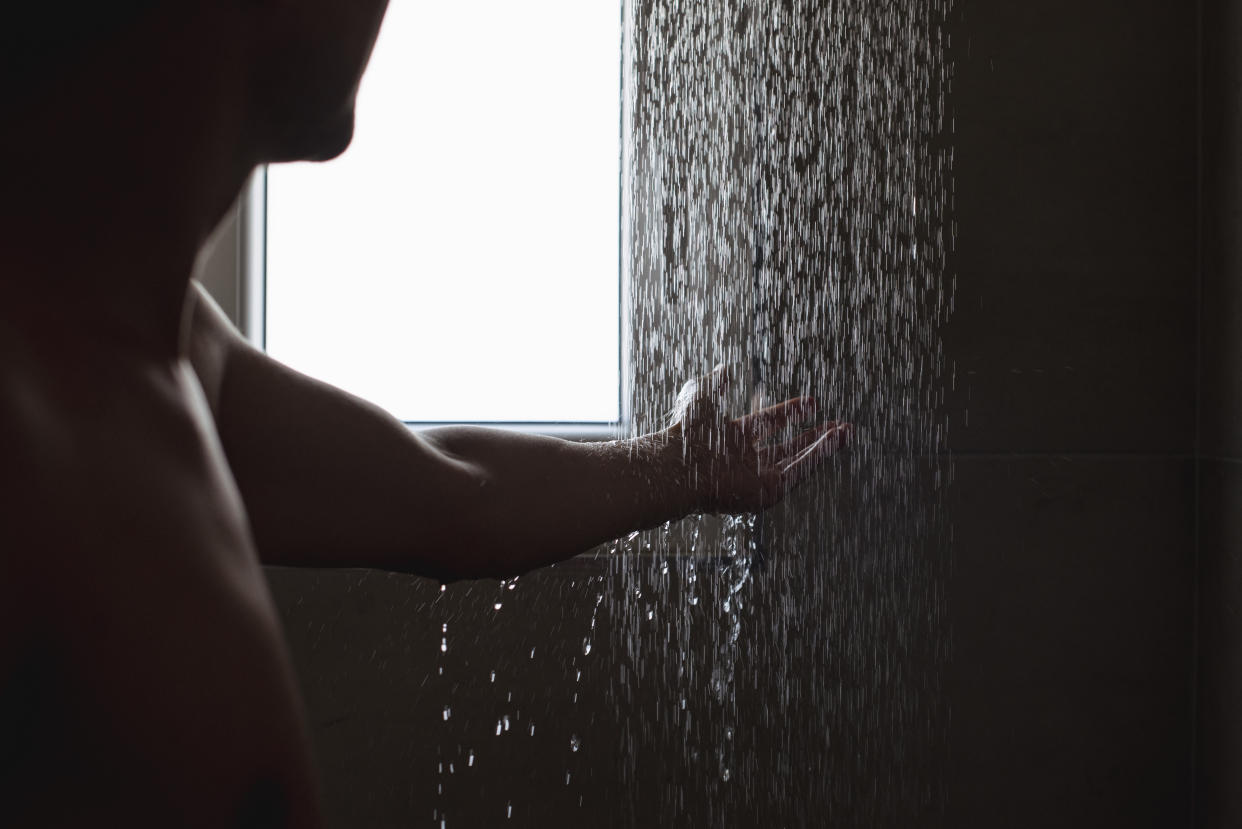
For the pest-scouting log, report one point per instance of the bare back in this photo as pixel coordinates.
(142, 666)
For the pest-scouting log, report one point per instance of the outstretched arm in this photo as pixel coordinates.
(330, 480)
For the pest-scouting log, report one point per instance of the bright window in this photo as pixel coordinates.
(460, 262)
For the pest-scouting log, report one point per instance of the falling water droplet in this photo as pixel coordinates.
(787, 203)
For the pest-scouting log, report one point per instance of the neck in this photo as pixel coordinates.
(119, 172)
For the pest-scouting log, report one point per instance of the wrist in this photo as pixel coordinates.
(668, 470)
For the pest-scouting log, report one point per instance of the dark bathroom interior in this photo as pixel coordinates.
(1070, 652)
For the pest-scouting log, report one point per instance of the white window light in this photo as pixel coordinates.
(460, 263)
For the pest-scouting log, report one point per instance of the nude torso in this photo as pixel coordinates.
(143, 673)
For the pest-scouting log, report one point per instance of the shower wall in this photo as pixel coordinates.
(1072, 415)
(1219, 749)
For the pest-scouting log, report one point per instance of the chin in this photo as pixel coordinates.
(333, 142)
(321, 142)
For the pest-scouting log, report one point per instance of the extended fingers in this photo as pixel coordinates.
(797, 469)
(767, 422)
(783, 453)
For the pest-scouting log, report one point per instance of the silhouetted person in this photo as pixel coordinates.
(151, 459)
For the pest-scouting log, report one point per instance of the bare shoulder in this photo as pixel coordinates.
(139, 597)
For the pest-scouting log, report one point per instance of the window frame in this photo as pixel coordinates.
(251, 280)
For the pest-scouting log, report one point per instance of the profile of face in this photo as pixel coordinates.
(298, 63)
(308, 57)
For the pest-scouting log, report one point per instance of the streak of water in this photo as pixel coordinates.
(788, 197)
(787, 201)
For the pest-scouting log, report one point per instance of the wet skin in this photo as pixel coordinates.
(152, 460)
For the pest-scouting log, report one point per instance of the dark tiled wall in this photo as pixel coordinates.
(1219, 800)
(367, 647)
(1219, 755)
(1221, 399)
(1075, 164)
(1073, 420)
(1070, 680)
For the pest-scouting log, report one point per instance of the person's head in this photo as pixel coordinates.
(290, 67)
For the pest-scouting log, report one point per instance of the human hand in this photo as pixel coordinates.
(745, 464)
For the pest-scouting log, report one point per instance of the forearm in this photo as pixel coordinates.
(545, 499)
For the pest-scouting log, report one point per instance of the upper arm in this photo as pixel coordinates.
(330, 479)
(349, 486)
(327, 478)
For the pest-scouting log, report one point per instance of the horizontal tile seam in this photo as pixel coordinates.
(1225, 459)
